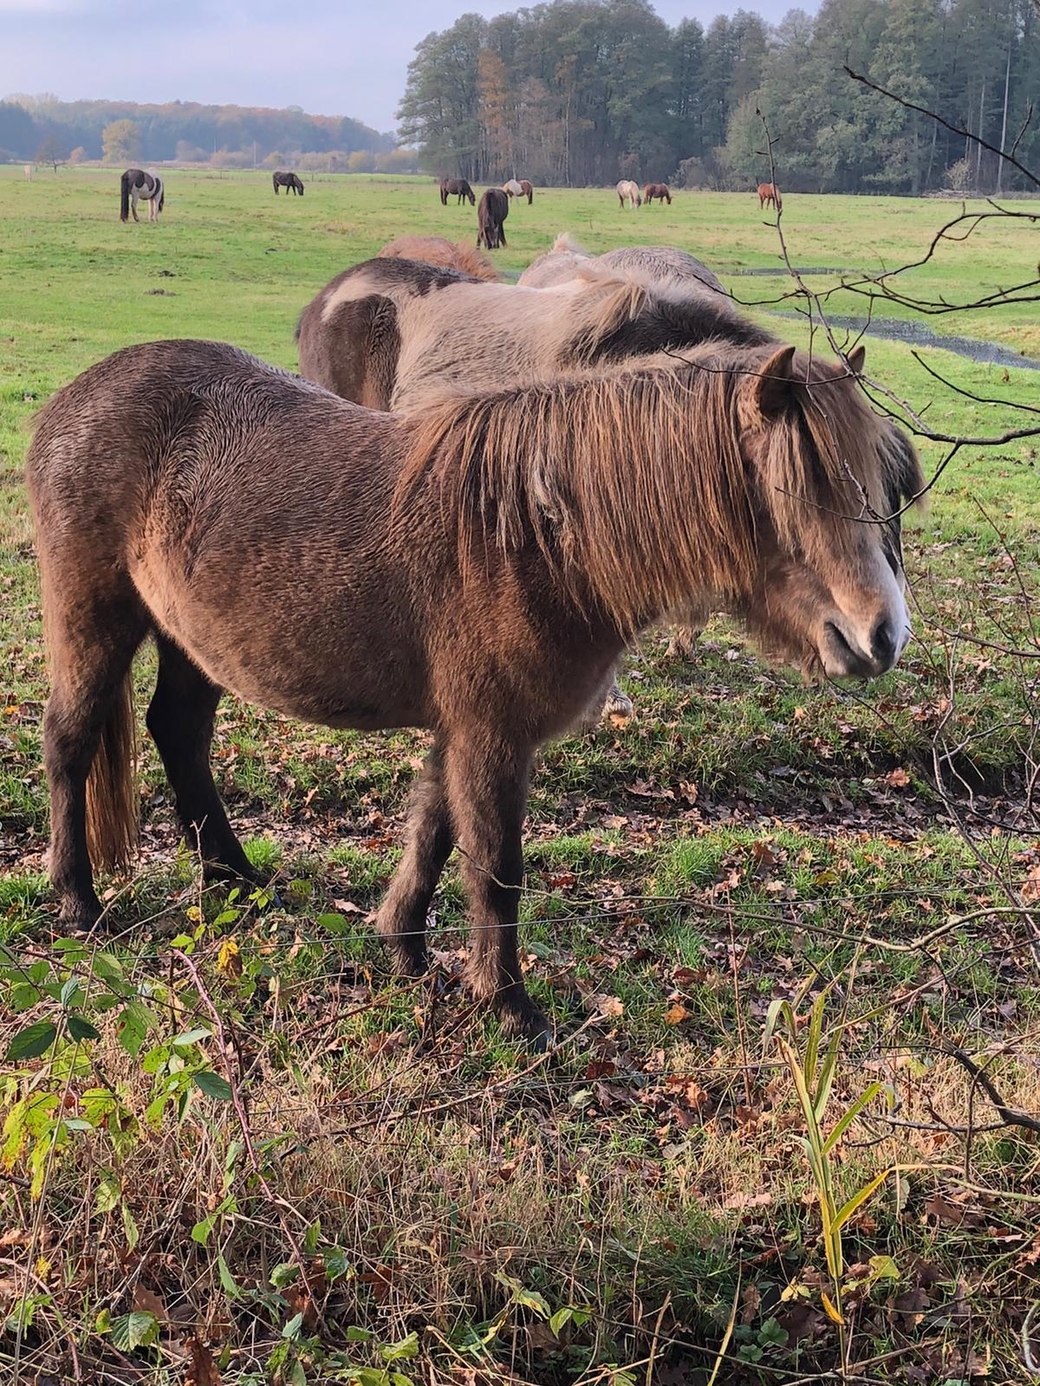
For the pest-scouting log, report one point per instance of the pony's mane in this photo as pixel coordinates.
(565, 241)
(632, 482)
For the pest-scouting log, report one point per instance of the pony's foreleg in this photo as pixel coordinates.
(683, 642)
(88, 726)
(180, 720)
(401, 921)
(486, 780)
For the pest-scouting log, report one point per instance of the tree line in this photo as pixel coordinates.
(179, 130)
(589, 91)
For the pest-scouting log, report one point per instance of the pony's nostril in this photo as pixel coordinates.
(883, 642)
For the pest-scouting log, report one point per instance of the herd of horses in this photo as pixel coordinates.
(493, 209)
(494, 203)
(492, 489)
(491, 214)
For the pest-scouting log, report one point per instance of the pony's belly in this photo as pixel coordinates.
(305, 660)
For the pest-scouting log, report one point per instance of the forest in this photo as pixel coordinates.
(584, 92)
(46, 129)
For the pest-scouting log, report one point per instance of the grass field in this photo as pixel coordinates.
(234, 1149)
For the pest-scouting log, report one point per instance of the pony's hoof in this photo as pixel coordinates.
(684, 642)
(541, 1042)
(617, 708)
(78, 914)
(81, 922)
(528, 1024)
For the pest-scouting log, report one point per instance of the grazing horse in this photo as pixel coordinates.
(491, 216)
(135, 183)
(460, 188)
(628, 191)
(527, 190)
(513, 188)
(435, 250)
(769, 193)
(287, 181)
(658, 190)
(475, 572)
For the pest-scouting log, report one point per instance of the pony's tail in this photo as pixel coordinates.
(112, 799)
(124, 196)
(162, 195)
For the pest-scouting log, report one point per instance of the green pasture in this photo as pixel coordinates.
(233, 1144)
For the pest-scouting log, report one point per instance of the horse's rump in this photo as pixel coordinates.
(491, 215)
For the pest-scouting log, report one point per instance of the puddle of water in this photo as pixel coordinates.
(916, 334)
(782, 270)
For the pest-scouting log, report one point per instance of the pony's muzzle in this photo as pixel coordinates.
(844, 658)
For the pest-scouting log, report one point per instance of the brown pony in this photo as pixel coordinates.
(527, 190)
(459, 188)
(658, 190)
(475, 572)
(491, 216)
(769, 193)
(435, 250)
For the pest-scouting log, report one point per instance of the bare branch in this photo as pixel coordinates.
(1010, 1115)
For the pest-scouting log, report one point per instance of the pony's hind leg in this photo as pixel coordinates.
(401, 920)
(88, 734)
(486, 780)
(180, 720)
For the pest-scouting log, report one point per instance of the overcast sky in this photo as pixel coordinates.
(332, 57)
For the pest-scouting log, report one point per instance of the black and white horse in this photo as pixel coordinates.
(136, 183)
(287, 181)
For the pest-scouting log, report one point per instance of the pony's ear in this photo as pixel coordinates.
(771, 386)
(856, 358)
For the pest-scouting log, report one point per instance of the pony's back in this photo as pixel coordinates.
(436, 250)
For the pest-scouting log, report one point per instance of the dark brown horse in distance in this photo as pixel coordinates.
(460, 189)
(658, 190)
(476, 572)
(769, 194)
(491, 216)
(136, 183)
(287, 181)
